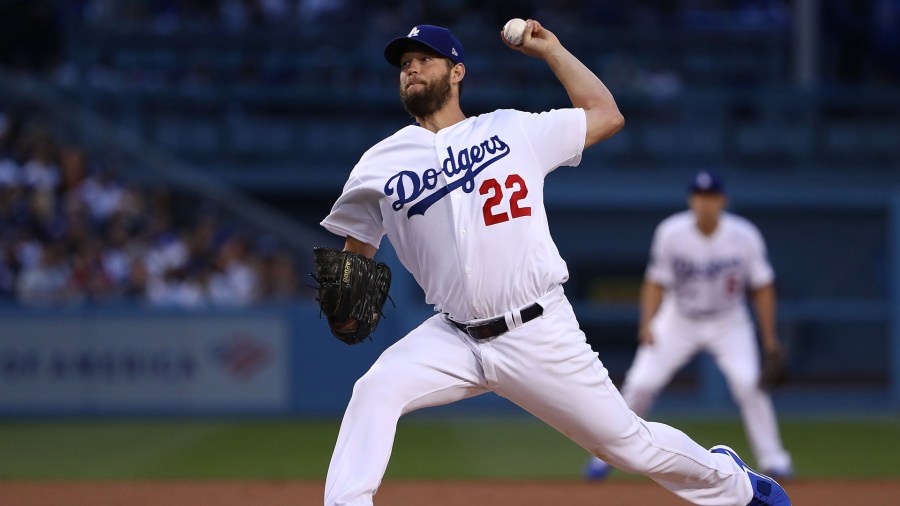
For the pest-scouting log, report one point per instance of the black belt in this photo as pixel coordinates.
(496, 326)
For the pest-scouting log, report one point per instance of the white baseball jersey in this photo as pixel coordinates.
(708, 275)
(464, 207)
(464, 210)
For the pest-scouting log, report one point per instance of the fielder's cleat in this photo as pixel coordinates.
(596, 469)
(766, 491)
(780, 474)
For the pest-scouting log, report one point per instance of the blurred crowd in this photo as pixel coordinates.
(72, 231)
(236, 15)
(859, 41)
(234, 47)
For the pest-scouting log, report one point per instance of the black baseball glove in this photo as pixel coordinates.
(774, 371)
(352, 290)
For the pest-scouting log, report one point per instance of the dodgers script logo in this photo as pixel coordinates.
(685, 270)
(410, 185)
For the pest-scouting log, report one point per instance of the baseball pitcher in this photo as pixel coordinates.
(461, 200)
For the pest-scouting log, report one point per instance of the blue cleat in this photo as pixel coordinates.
(780, 474)
(766, 491)
(596, 469)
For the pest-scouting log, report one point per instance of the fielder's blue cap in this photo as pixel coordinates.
(435, 38)
(706, 182)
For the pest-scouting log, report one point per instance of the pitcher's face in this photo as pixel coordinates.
(424, 83)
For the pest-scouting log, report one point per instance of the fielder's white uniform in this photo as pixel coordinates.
(464, 211)
(704, 309)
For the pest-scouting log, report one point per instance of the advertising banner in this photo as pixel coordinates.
(144, 363)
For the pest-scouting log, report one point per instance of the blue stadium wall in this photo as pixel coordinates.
(281, 360)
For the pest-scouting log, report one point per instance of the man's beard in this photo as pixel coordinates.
(424, 103)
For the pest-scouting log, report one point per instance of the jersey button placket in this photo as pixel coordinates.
(456, 205)
(462, 238)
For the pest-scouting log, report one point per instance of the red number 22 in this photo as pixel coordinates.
(492, 186)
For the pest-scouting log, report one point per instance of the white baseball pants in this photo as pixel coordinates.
(546, 367)
(730, 339)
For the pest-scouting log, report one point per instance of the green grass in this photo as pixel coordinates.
(165, 449)
(432, 448)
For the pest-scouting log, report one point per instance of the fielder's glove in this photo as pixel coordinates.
(774, 369)
(351, 287)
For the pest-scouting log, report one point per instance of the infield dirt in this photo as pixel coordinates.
(397, 493)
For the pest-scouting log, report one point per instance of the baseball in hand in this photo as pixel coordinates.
(513, 31)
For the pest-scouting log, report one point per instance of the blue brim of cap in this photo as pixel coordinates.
(395, 49)
(709, 190)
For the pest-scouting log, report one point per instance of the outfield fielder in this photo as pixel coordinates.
(702, 261)
(461, 200)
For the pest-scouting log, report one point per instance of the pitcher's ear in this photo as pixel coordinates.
(457, 73)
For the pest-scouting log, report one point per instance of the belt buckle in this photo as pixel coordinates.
(487, 329)
(475, 332)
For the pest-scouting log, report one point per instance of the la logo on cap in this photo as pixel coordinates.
(704, 180)
(414, 32)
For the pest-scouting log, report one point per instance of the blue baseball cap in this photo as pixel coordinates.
(706, 182)
(435, 38)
